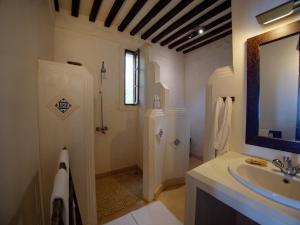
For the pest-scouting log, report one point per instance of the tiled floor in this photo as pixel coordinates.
(120, 194)
(174, 199)
(154, 213)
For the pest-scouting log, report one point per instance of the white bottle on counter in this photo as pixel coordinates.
(156, 102)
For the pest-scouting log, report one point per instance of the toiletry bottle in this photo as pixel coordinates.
(154, 102)
(158, 102)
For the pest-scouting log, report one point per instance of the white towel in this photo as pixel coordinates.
(64, 158)
(215, 127)
(223, 136)
(61, 191)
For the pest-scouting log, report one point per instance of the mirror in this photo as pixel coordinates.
(279, 87)
(273, 100)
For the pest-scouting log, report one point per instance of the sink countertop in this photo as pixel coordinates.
(214, 178)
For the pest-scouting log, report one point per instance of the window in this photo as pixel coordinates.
(131, 84)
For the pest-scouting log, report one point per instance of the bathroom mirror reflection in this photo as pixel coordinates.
(279, 110)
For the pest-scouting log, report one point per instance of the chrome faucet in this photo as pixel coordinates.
(286, 167)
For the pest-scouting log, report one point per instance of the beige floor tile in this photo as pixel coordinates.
(174, 200)
(122, 193)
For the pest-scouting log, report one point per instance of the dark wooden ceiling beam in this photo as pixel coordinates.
(75, 8)
(213, 12)
(205, 28)
(173, 12)
(113, 12)
(208, 41)
(186, 17)
(95, 9)
(56, 5)
(214, 32)
(132, 13)
(150, 15)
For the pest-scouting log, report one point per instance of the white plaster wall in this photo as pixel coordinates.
(76, 132)
(77, 39)
(217, 86)
(279, 74)
(244, 27)
(154, 148)
(171, 66)
(169, 71)
(165, 66)
(163, 159)
(142, 105)
(177, 156)
(199, 66)
(26, 35)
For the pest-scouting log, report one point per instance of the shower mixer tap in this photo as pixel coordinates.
(102, 129)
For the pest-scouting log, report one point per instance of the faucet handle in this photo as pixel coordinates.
(288, 162)
(297, 168)
(278, 163)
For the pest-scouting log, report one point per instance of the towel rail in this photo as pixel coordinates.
(232, 98)
(73, 199)
(57, 217)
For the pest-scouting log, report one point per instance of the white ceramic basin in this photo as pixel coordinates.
(268, 181)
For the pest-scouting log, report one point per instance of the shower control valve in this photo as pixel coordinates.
(161, 132)
(177, 142)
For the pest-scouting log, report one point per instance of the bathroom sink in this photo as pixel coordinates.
(268, 182)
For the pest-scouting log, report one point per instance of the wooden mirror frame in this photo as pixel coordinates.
(252, 121)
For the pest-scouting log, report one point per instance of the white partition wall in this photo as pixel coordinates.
(178, 145)
(66, 120)
(165, 138)
(154, 154)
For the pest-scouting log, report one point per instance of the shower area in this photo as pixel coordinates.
(153, 139)
(118, 191)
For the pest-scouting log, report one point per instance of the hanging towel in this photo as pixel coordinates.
(64, 158)
(61, 191)
(215, 127)
(223, 136)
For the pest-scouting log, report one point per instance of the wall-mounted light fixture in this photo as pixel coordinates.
(278, 12)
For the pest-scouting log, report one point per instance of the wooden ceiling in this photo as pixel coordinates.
(172, 23)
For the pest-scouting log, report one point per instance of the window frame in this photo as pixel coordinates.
(136, 56)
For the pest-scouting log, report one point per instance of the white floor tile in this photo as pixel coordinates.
(155, 214)
(124, 220)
